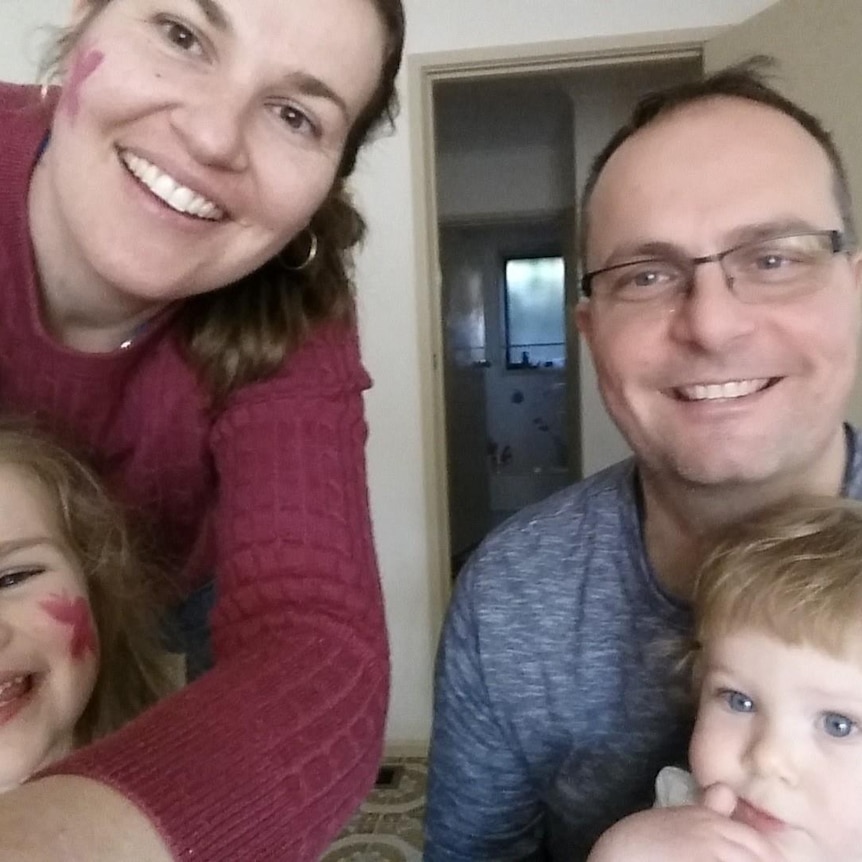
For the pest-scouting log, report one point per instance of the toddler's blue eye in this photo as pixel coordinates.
(838, 725)
(737, 701)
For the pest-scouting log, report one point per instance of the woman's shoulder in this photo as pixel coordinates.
(326, 364)
(14, 97)
(25, 116)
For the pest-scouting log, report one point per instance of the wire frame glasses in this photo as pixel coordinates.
(762, 270)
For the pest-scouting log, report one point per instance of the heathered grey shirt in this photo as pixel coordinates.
(552, 712)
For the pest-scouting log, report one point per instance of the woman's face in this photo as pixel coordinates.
(195, 138)
(48, 643)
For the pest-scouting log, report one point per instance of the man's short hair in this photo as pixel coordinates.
(793, 572)
(745, 80)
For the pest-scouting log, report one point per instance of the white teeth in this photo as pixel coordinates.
(14, 687)
(731, 389)
(166, 188)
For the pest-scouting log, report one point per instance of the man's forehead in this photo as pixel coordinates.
(705, 131)
(724, 158)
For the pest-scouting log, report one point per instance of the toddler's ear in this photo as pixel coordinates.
(720, 799)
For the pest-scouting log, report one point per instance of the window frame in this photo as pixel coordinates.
(541, 253)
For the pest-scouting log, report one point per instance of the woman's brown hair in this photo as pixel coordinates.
(244, 331)
(133, 672)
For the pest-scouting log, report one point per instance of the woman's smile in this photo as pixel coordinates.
(176, 195)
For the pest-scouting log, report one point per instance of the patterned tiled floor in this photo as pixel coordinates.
(388, 825)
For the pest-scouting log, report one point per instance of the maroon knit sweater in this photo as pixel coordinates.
(267, 755)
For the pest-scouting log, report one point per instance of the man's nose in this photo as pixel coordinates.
(709, 316)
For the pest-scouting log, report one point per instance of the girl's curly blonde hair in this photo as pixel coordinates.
(133, 672)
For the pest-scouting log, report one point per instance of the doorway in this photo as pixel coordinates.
(523, 416)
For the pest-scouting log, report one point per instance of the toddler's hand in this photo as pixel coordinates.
(703, 832)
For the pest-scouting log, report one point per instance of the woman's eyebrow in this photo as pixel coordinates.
(313, 86)
(214, 14)
(309, 84)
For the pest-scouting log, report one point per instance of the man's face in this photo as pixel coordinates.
(780, 726)
(708, 389)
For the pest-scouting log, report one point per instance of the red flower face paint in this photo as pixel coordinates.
(83, 66)
(74, 613)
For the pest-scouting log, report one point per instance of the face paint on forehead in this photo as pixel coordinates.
(83, 65)
(74, 613)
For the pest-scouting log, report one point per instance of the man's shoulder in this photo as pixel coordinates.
(566, 517)
(585, 530)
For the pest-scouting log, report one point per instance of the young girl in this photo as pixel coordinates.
(776, 754)
(79, 654)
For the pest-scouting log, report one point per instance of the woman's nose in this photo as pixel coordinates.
(212, 128)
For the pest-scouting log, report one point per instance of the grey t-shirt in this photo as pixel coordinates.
(552, 710)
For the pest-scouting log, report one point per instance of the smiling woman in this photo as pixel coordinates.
(176, 301)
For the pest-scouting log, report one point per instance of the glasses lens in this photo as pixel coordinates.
(779, 267)
(640, 281)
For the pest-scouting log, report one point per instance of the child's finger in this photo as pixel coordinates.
(720, 799)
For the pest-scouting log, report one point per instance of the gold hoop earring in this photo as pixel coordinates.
(309, 257)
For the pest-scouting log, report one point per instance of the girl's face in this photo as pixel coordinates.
(195, 138)
(48, 642)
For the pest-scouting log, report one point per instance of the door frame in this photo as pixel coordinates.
(424, 70)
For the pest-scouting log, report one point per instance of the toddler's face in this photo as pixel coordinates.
(782, 727)
(48, 644)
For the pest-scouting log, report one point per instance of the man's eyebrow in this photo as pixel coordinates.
(644, 250)
(647, 249)
(214, 14)
(767, 230)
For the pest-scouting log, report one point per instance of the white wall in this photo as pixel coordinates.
(389, 300)
(23, 33)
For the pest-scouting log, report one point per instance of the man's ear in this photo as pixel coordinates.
(584, 319)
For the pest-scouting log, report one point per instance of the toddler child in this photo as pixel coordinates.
(776, 753)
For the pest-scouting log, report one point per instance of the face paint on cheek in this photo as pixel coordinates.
(83, 66)
(74, 613)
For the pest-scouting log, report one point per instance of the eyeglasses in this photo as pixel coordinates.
(764, 270)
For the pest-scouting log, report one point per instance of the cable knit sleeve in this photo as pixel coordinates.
(267, 755)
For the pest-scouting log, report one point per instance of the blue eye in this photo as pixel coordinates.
(772, 261)
(838, 725)
(737, 701)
